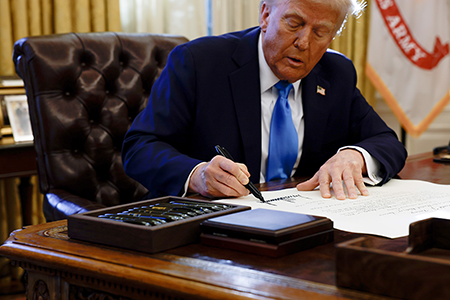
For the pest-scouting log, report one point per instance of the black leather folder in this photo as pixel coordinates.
(267, 232)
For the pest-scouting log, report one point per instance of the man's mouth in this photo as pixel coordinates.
(295, 61)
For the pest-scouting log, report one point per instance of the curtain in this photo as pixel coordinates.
(189, 18)
(353, 43)
(14, 214)
(179, 17)
(234, 15)
(22, 18)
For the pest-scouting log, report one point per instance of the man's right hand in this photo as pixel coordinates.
(220, 177)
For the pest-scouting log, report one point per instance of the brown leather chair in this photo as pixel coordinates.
(84, 90)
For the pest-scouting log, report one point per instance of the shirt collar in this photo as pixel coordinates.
(266, 76)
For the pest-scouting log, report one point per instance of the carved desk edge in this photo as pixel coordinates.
(89, 269)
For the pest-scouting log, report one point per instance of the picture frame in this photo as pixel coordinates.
(9, 85)
(19, 117)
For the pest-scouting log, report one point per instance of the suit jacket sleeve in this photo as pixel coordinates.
(153, 147)
(342, 117)
(376, 137)
(381, 142)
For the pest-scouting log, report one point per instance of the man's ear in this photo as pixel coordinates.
(264, 17)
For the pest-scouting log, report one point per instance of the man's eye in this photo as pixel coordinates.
(320, 33)
(293, 23)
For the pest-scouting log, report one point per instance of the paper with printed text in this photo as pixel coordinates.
(387, 211)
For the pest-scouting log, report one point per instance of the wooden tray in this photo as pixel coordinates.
(421, 271)
(150, 239)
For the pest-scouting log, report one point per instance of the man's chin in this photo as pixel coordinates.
(293, 74)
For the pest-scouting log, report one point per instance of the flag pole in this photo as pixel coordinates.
(403, 136)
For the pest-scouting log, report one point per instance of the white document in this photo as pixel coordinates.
(387, 211)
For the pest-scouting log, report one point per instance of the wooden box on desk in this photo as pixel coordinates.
(376, 265)
(150, 239)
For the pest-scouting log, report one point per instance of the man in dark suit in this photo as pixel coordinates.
(220, 90)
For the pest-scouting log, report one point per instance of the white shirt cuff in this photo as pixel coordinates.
(186, 184)
(372, 166)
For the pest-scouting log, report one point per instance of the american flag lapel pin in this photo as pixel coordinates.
(320, 90)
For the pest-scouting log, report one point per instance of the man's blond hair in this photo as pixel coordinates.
(347, 8)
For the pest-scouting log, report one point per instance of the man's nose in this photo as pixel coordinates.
(303, 37)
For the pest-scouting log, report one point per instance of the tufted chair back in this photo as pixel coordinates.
(84, 91)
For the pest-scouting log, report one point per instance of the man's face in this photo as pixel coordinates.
(295, 35)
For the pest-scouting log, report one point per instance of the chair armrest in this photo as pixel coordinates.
(58, 204)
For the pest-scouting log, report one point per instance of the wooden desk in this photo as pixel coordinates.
(421, 166)
(17, 159)
(60, 268)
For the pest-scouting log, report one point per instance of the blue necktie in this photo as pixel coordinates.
(283, 141)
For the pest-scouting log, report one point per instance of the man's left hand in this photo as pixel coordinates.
(346, 166)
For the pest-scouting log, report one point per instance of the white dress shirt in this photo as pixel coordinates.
(269, 96)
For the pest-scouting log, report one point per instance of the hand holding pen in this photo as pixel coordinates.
(250, 186)
(220, 178)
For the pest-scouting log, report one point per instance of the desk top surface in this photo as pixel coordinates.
(421, 166)
(7, 142)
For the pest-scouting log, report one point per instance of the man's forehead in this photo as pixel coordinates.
(296, 8)
(331, 4)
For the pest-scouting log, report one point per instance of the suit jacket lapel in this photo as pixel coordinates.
(245, 86)
(316, 112)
